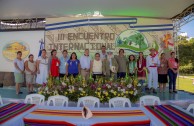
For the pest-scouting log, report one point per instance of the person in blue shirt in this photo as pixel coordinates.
(63, 62)
(73, 65)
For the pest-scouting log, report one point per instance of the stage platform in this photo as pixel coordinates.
(182, 98)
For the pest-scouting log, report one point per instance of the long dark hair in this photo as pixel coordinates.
(176, 59)
(139, 56)
(133, 57)
(53, 51)
(72, 54)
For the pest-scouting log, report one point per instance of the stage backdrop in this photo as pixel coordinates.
(26, 41)
(132, 34)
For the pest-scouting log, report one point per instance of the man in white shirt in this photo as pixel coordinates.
(85, 64)
(152, 62)
(103, 54)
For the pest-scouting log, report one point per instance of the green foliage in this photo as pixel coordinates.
(186, 54)
(187, 69)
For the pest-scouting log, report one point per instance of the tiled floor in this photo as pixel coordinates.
(182, 98)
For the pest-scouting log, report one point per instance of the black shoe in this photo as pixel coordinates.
(20, 92)
(175, 91)
(154, 91)
(149, 91)
(170, 91)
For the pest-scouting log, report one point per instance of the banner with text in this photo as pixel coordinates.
(129, 33)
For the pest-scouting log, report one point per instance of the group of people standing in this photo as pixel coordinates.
(103, 64)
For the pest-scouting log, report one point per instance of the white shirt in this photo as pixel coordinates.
(103, 56)
(20, 64)
(85, 62)
(97, 67)
(150, 61)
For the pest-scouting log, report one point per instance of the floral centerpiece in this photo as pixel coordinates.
(102, 88)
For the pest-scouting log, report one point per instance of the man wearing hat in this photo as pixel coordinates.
(110, 66)
(152, 62)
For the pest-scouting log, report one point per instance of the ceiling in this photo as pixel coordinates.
(10, 9)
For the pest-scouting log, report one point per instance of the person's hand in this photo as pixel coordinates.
(38, 71)
(66, 74)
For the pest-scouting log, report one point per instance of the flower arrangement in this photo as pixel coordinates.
(102, 88)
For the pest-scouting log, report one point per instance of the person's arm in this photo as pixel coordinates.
(49, 64)
(67, 69)
(104, 63)
(27, 68)
(135, 69)
(147, 63)
(170, 66)
(91, 66)
(37, 66)
(127, 64)
(79, 68)
(158, 62)
(116, 65)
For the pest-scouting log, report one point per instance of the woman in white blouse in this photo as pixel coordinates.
(42, 68)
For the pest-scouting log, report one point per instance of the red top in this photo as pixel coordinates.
(173, 63)
(141, 64)
(55, 67)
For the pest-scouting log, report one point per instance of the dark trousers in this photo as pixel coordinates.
(121, 74)
(172, 79)
(74, 75)
(61, 75)
(94, 76)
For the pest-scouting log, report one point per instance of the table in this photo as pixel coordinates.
(12, 114)
(168, 115)
(49, 115)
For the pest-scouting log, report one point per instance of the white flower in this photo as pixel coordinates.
(119, 88)
(104, 92)
(112, 91)
(108, 86)
(123, 90)
(129, 85)
(46, 89)
(80, 89)
(134, 89)
(64, 84)
(138, 84)
(135, 92)
(39, 89)
(73, 88)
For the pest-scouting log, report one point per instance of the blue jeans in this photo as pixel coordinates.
(172, 79)
(121, 75)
